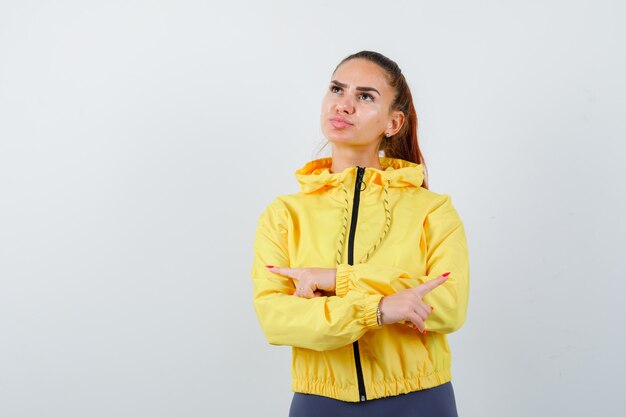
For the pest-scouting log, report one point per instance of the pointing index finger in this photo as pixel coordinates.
(430, 285)
(290, 272)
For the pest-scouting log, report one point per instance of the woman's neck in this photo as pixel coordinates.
(348, 157)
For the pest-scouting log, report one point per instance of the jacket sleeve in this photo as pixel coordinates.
(320, 323)
(446, 250)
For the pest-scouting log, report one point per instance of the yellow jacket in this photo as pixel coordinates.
(384, 233)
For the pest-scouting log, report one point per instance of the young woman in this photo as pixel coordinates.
(365, 270)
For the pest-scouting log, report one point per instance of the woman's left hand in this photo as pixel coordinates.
(311, 281)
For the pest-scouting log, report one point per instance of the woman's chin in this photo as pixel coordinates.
(340, 137)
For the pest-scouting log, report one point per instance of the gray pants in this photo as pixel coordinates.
(432, 402)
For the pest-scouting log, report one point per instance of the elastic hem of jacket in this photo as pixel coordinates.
(374, 390)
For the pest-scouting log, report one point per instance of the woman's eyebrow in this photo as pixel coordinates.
(342, 85)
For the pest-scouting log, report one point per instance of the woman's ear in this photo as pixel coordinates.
(396, 122)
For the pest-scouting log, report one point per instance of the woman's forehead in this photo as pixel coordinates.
(361, 73)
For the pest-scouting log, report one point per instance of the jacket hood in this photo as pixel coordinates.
(395, 172)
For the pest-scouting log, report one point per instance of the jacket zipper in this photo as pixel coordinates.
(355, 213)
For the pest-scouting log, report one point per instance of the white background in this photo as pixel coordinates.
(140, 141)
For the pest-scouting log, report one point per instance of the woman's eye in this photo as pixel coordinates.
(368, 96)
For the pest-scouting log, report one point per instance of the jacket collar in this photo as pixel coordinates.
(315, 175)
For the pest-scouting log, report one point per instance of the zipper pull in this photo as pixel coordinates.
(359, 177)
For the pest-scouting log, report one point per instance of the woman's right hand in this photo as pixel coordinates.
(407, 304)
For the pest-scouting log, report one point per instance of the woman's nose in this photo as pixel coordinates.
(345, 105)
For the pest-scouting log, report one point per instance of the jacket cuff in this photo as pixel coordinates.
(342, 279)
(370, 307)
